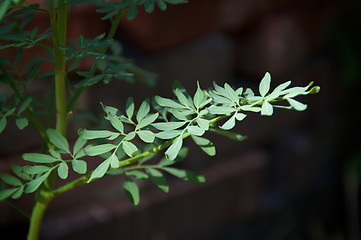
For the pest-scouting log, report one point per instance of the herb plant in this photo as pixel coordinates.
(138, 133)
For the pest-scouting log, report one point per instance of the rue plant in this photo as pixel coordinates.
(137, 134)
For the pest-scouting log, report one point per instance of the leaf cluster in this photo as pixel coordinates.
(139, 133)
(14, 34)
(111, 9)
(45, 164)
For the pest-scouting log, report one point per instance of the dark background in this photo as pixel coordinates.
(295, 177)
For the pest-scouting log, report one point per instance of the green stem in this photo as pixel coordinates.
(71, 185)
(37, 216)
(123, 163)
(18, 209)
(84, 179)
(59, 26)
(60, 40)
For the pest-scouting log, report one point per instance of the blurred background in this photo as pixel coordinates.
(297, 176)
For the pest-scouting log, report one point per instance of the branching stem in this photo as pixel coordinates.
(59, 26)
(126, 162)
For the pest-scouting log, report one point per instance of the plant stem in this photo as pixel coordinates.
(71, 185)
(84, 179)
(18, 209)
(37, 215)
(59, 27)
(60, 40)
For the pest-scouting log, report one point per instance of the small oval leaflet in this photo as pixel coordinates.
(58, 140)
(131, 190)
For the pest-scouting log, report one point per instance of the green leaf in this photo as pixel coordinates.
(165, 102)
(131, 190)
(264, 86)
(295, 91)
(315, 89)
(79, 166)
(251, 108)
(129, 148)
(222, 100)
(89, 81)
(9, 179)
(14, 37)
(146, 135)
(132, 13)
(297, 105)
(239, 91)
(194, 130)
(267, 109)
(147, 120)
(277, 92)
(168, 125)
(98, 149)
(95, 134)
(203, 123)
(169, 134)
(231, 135)
(10, 112)
(34, 184)
(231, 94)
(2, 123)
(18, 192)
(137, 174)
(188, 176)
(54, 153)
(182, 98)
(116, 122)
(149, 6)
(63, 170)
(143, 110)
(180, 115)
(58, 140)
(199, 97)
(130, 136)
(161, 4)
(219, 90)
(129, 107)
(115, 171)
(176, 1)
(230, 123)
(205, 102)
(25, 105)
(114, 162)
(19, 171)
(100, 170)
(37, 169)
(206, 145)
(39, 158)
(4, 8)
(220, 110)
(173, 150)
(240, 116)
(21, 122)
(158, 178)
(110, 110)
(7, 193)
(79, 144)
(79, 154)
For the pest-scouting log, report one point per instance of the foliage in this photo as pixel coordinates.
(139, 133)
